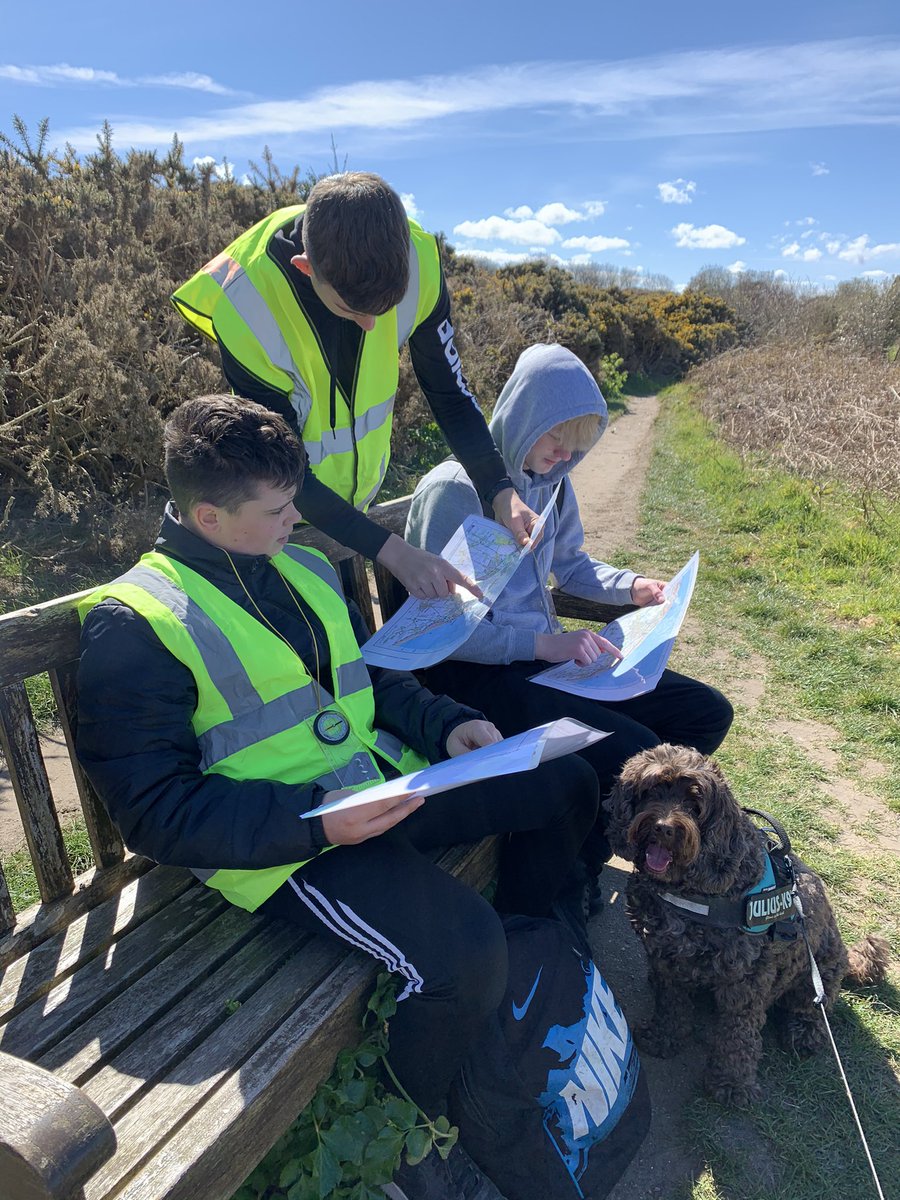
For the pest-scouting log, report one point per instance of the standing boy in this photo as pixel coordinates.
(310, 309)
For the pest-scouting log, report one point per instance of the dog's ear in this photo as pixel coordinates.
(730, 851)
(619, 806)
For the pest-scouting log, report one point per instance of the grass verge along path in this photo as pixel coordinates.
(796, 617)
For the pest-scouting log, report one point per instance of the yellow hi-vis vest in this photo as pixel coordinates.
(242, 299)
(256, 702)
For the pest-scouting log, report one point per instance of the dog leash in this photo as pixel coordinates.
(819, 1002)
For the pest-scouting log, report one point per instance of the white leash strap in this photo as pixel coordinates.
(820, 1004)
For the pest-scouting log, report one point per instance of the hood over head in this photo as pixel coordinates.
(549, 385)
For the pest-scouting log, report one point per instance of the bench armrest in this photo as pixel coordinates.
(52, 1137)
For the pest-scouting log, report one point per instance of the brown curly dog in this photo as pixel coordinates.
(673, 815)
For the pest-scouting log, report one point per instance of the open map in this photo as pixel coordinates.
(521, 752)
(645, 638)
(423, 632)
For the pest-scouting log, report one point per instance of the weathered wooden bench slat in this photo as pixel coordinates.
(355, 579)
(32, 1032)
(38, 638)
(41, 921)
(7, 912)
(106, 844)
(197, 1081)
(32, 788)
(131, 1010)
(28, 978)
(132, 1071)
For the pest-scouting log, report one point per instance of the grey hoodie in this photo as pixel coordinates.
(548, 385)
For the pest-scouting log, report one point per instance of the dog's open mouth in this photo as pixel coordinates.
(657, 858)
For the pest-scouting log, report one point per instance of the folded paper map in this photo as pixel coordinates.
(424, 632)
(645, 638)
(518, 753)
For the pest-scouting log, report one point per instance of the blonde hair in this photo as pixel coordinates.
(578, 433)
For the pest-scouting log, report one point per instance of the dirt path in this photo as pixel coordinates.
(611, 479)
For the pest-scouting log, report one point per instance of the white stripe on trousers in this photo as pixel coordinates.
(360, 934)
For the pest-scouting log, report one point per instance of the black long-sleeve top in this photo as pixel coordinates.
(435, 362)
(135, 741)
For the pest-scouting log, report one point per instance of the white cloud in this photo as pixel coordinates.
(876, 274)
(806, 221)
(679, 191)
(500, 258)
(595, 244)
(814, 84)
(558, 214)
(521, 233)
(819, 168)
(594, 208)
(62, 73)
(858, 250)
(810, 254)
(706, 237)
(408, 200)
(192, 80)
(781, 274)
(580, 260)
(737, 267)
(550, 214)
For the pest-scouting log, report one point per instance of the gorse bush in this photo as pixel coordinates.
(93, 357)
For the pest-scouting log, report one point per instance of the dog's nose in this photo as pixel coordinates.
(664, 833)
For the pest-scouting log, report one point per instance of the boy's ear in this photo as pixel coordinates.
(206, 517)
(302, 263)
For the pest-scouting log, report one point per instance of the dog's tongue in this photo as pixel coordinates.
(657, 858)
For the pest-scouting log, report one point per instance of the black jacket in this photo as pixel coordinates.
(135, 741)
(440, 377)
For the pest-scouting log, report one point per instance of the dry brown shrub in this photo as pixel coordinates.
(823, 413)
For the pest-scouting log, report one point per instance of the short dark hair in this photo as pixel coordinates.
(356, 237)
(218, 449)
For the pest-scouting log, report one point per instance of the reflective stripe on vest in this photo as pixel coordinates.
(242, 298)
(252, 720)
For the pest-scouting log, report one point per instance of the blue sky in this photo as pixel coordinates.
(654, 136)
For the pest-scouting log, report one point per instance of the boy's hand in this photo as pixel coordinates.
(355, 825)
(512, 511)
(646, 591)
(423, 574)
(470, 735)
(583, 645)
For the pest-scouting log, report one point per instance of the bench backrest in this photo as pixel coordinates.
(44, 639)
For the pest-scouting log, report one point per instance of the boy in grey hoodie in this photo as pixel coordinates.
(549, 414)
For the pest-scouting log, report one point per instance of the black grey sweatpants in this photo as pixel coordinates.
(680, 710)
(386, 897)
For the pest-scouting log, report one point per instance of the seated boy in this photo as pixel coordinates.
(549, 414)
(222, 693)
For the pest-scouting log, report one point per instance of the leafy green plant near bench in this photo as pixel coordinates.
(348, 1141)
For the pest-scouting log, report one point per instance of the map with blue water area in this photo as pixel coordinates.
(424, 632)
(645, 638)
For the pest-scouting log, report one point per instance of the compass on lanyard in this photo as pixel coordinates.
(331, 727)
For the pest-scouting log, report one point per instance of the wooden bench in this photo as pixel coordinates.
(155, 1041)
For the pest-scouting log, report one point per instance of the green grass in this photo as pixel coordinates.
(796, 585)
(20, 877)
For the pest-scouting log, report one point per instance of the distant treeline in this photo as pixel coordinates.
(93, 357)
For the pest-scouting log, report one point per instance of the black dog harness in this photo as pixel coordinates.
(769, 906)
